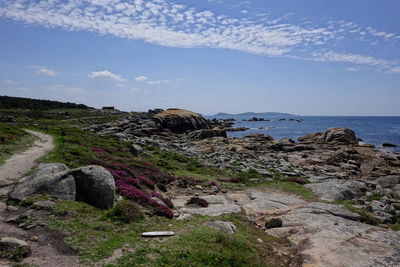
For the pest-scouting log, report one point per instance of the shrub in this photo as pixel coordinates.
(234, 180)
(162, 187)
(198, 201)
(126, 211)
(131, 192)
(298, 180)
(168, 202)
(156, 194)
(146, 181)
(162, 210)
(214, 183)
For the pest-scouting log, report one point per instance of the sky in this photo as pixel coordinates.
(313, 57)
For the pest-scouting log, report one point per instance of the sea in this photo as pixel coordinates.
(372, 130)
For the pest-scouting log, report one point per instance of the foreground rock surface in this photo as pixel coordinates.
(325, 234)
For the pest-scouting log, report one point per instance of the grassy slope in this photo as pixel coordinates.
(13, 140)
(95, 235)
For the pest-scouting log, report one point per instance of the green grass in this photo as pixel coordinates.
(182, 166)
(95, 236)
(13, 140)
(366, 216)
(290, 187)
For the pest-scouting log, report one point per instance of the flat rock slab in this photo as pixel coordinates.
(260, 203)
(326, 238)
(218, 204)
(158, 234)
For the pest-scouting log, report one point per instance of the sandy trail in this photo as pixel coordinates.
(18, 165)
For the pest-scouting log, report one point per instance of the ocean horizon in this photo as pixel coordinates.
(375, 130)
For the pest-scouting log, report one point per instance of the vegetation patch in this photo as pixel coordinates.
(13, 140)
(290, 187)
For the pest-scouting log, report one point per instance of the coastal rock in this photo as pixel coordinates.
(389, 145)
(206, 133)
(94, 185)
(50, 179)
(332, 136)
(339, 136)
(325, 239)
(180, 120)
(335, 189)
(273, 223)
(388, 181)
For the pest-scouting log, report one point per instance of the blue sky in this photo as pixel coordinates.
(314, 57)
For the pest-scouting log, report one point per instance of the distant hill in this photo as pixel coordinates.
(10, 102)
(255, 114)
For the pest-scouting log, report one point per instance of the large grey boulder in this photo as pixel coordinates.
(335, 189)
(95, 186)
(91, 184)
(51, 179)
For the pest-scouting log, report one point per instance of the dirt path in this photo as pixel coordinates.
(19, 164)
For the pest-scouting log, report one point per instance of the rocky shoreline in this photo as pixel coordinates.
(335, 164)
(355, 187)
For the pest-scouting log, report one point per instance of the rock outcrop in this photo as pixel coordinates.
(332, 136)
(92, 184)
(180, 120)
(206, 133)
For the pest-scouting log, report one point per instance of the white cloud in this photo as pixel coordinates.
(120, 85)
(141, 78)
(382, 65)
(394, 70)
(45, 71)
(331, 56)
(106, 75)
(158, 82)
(166, 23)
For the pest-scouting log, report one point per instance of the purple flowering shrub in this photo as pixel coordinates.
(146, 181)
(230, 180)
(133, 179)
(214, 183)
(156, 194)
